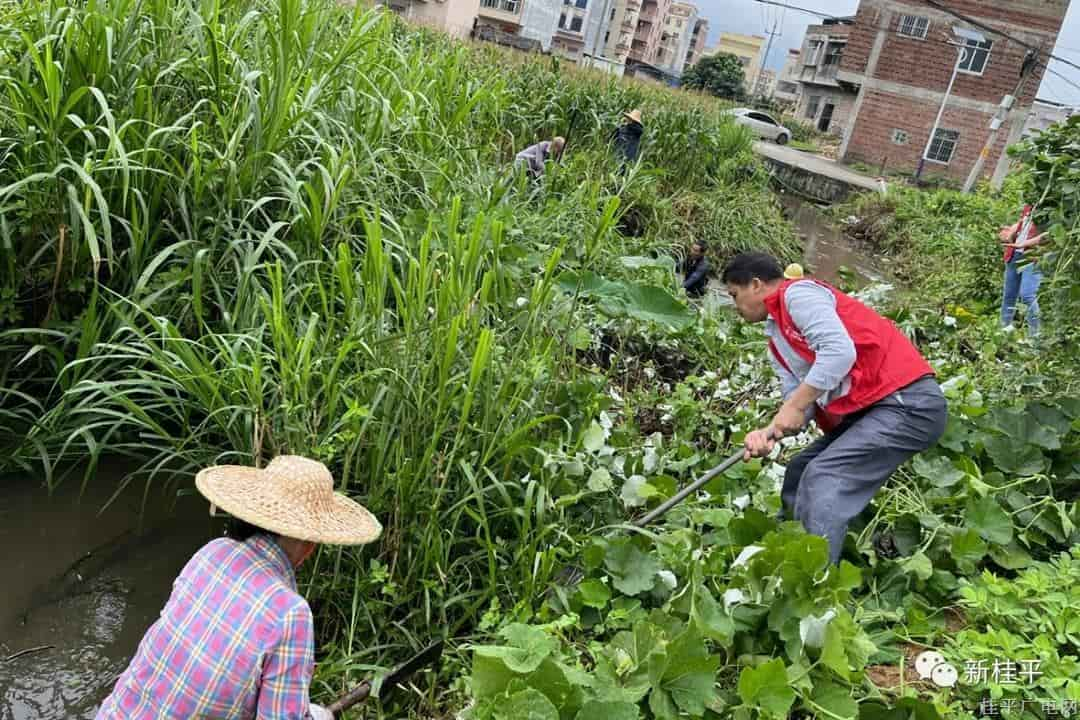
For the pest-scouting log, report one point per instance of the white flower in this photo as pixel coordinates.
(668, 578)
(697, 554)
(734, 596)
(605, 421)
(649, 373)
(741, 502)
(744, 557)
(521, 302)
(615, 395)
(949, 321)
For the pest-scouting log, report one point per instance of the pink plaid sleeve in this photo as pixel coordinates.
(287, 671)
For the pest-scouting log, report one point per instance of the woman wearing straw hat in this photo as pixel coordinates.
(627, 137)
(235, 639)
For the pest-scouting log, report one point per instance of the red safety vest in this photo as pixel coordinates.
(885, 360)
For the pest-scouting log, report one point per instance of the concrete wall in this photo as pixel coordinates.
(539, 20)
(842, 101)
(454, 17)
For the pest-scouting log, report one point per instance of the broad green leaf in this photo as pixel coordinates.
(594, 594)
(967, 549)
(636, 262)
(835, 700)
(1011, 556)
(691, 683)
(595, 710)
(645, 651)
(599, 480)
(636, 491)
(529, 704)
(632, 571)
(626, 299)
(1014, 458)
(766, 687)
(710, 618)
(528, 647)
(986, 517)
(939, 470)
(1022, 427)
(919, 565)
(594, 437)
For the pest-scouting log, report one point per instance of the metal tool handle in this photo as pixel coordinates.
(693, 487)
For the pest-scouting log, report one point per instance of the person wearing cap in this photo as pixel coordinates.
(839, 362)
(1022, 279)
(535, 156)
(235, 639)
(696, 270)
(627, 137)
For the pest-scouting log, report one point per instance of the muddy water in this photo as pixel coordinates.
(82, 584)
(828, 253)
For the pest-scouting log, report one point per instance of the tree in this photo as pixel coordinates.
(720, 74)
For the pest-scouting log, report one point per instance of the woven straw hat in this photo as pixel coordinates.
(634, 115)
(292, 496)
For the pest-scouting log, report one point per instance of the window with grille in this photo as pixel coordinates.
(914, 26)
(562, 21)
(976, 55)
(899, 137)
(943, 145)
(575, 24)
(834, 53)
(812, 106)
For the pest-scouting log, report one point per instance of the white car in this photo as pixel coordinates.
(762, 124)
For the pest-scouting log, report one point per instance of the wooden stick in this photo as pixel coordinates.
(28, 651)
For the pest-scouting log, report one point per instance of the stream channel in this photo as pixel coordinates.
(86, 577)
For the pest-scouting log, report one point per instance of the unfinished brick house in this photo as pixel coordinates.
(901, 55)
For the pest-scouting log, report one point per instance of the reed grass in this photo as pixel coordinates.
(230, 230)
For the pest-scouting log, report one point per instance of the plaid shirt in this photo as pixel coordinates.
(234, 642)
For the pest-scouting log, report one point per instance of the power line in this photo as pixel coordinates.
(1054, 72)
(983, 26)
(800, 9)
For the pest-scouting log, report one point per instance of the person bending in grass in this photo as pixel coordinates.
(534, 157)
(235, 640)
(696, 270)
(852, 370)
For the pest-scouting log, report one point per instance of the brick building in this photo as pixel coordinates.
(824, 101)
(899, 56)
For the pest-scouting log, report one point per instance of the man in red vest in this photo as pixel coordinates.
(841, 363)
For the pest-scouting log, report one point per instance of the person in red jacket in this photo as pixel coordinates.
(840, 363)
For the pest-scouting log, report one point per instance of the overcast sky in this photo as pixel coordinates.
(751, 17)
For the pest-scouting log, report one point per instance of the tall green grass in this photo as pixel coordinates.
(230, 230)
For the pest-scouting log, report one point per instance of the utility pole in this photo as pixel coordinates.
(1030, 59)
(961, 54)
(758, 84)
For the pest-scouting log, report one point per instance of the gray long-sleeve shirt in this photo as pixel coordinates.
(534, 156)
(812, 308)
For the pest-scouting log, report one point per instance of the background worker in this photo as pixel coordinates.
(696, 270)
(235, 640)
(839, 361)
(1022, 279)
(534, 157)
(627, 137)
